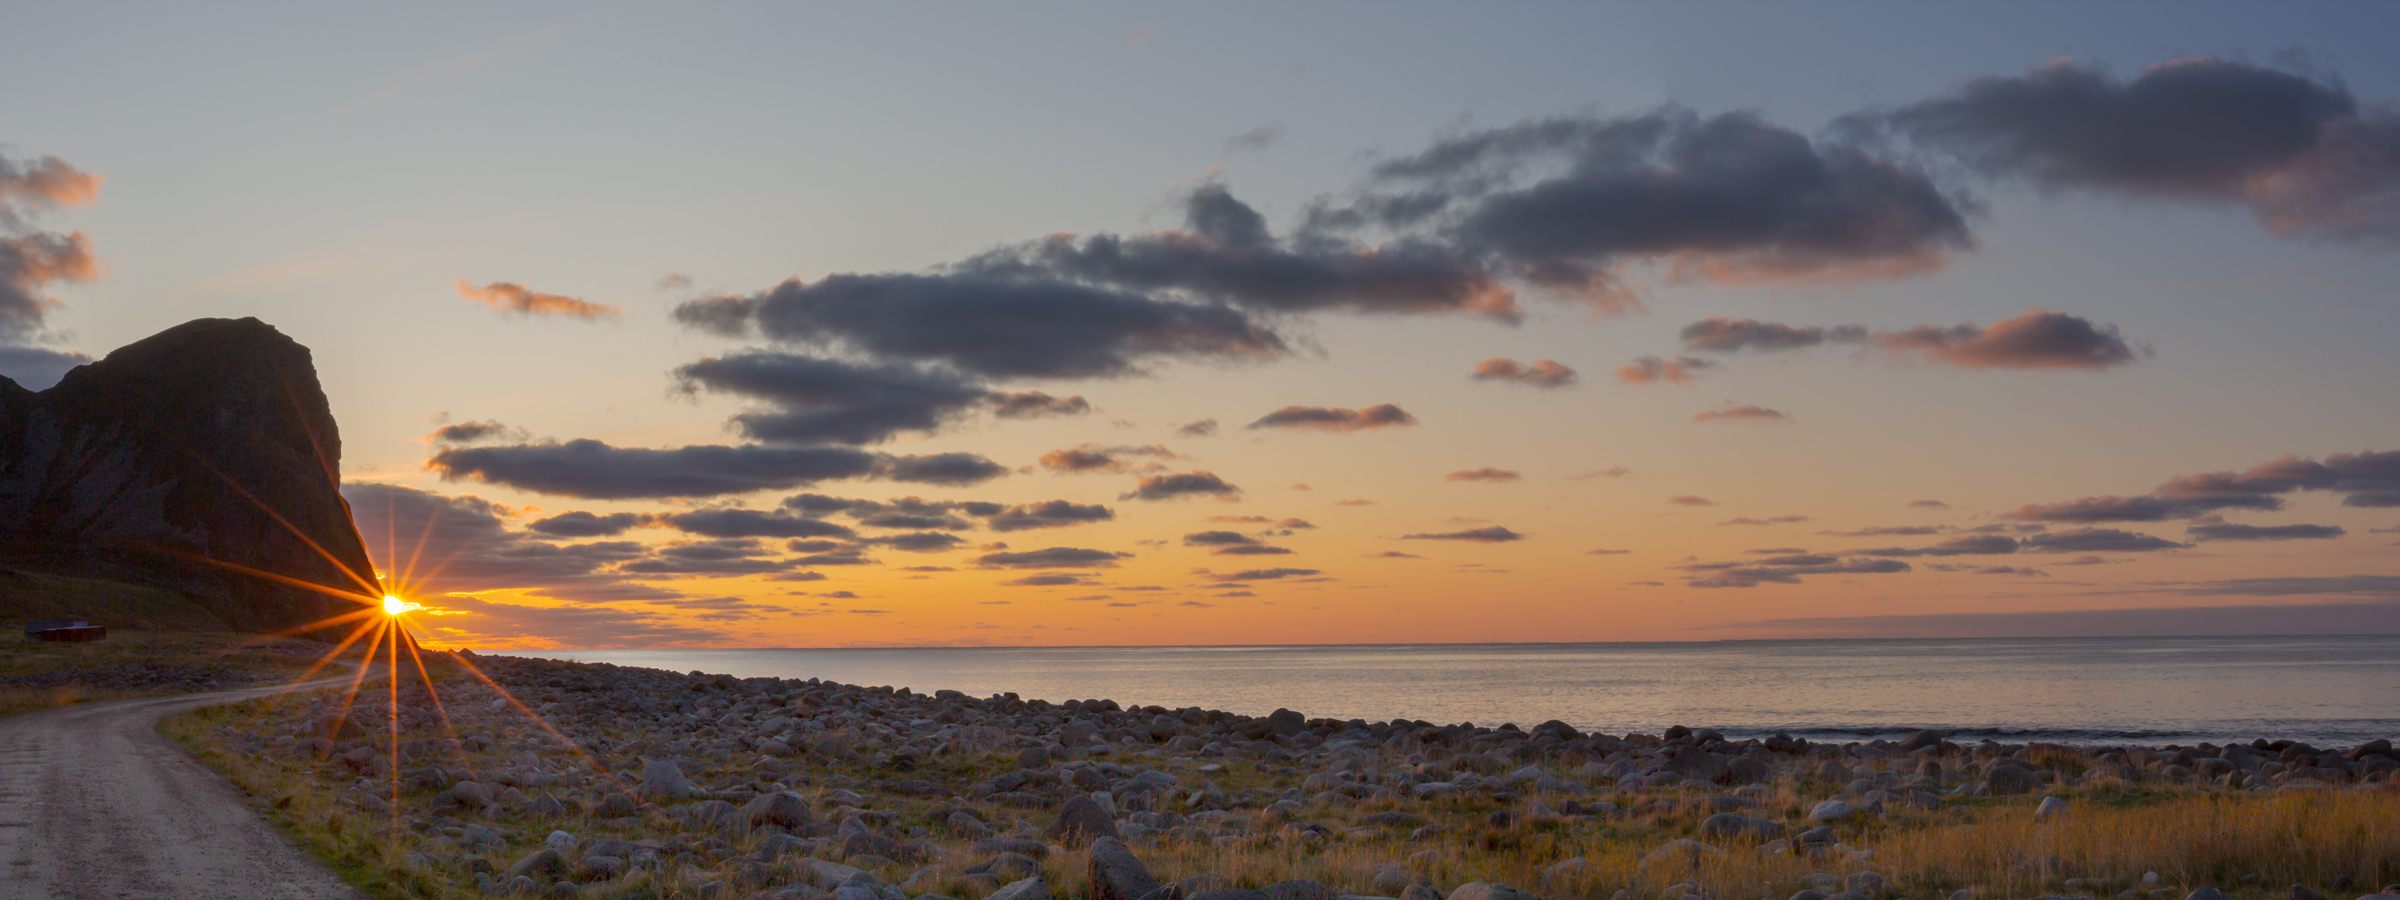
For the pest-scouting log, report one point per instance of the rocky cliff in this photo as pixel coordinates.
(209, 443)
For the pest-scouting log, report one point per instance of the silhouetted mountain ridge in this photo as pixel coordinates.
(210, 440)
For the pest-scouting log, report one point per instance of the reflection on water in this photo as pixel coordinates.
(2135, 690)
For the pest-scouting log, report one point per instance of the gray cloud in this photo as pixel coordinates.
(1180, 484)
(1971, 545)
(919, 541)
(1035, 404)
(1566, 202)
(2097, 540)
(2038, 339)
(1785, 570)
(2226, 531)
(1721, 335)
(2035, 339)
(580, 524)
(32, 259)
(38, 368)
(1217, 539)
(1096, 458)
(942, 468)
(1543, 373)
(1201, 428)
(2301, 153)
(719, 557)
(1487, 474)
(750, 523)
(1741, 412)
(1888, 530)
(1263, 575)
(1493, 534)
(1770, 520)
(1655, 370)
(1225, 254)
(595, 470)
(1259, 138)
(827, 401)
(2367, 479)
(1052, 558)
(987, 324)
(1335, 419)
(1048, 514)
(591, 469)
(474, 432)
(2298, 618)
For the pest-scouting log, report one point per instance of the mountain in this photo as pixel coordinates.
(181, 461)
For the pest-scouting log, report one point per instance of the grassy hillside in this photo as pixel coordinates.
(27, 594)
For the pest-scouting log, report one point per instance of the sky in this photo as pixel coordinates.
(730, 324)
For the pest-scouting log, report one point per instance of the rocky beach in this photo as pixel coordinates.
(591, 780)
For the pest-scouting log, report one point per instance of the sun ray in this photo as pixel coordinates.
(537, 719)
(362, 580)
(409, 571)
(350, 694)
(439, 709)
(392, 715)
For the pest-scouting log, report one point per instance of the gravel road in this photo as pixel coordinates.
(95, 803)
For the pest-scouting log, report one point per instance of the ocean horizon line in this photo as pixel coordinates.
(1404, 644)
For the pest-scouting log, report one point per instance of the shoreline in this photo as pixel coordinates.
(656, 783)
(2152, 692)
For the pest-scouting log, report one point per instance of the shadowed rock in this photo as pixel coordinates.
(1081, 820)
(1117, 874)
(210, 441)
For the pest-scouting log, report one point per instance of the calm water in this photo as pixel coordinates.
(2327, 690)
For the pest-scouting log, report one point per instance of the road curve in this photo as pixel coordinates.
(95, 803)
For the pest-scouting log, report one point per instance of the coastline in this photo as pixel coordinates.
(643, 782)
(2321, 689)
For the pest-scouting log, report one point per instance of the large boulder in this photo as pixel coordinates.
(1117, 874)
(1081, 820)
(195, 459)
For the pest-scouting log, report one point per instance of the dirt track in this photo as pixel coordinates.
(95, 803)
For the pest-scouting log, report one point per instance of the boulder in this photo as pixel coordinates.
(1832, 811)
(2051, 808)
(1117, 874)
(543, 863)
(662, 780)
(1023, 889)
(471, 794)
(595, 867)
(1481, 890)
(2004, 781)
(1080, 821)
(1286, 722)
(1920, 741)
(782, 808)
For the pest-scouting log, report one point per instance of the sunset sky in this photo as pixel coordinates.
(1092, 324)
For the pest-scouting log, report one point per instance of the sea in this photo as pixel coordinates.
(2325, 690)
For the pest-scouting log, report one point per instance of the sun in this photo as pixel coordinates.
(393, 605)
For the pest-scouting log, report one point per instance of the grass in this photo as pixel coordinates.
(37, 675)
(2251, 844)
